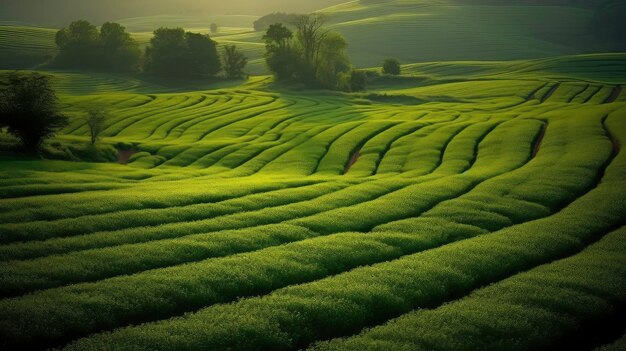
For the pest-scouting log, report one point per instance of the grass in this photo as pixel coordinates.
(252, 218)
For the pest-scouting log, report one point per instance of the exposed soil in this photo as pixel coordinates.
(539, 140)
(353, 159)
(123, 156)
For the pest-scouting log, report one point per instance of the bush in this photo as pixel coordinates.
(391, 66)
(352, 81)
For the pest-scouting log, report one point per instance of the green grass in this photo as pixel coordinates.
(486, 198)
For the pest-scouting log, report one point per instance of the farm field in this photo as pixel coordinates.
(410, 30)
(466, 205)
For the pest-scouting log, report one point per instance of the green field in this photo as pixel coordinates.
(475, 202)
(409, 30)
(463, 206)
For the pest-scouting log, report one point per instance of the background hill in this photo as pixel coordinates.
(410, 30)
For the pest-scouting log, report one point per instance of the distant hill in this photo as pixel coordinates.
(409, 30)
(443, 30)
(57, 13)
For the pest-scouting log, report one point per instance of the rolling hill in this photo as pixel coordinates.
(410, 30)
(465, 195)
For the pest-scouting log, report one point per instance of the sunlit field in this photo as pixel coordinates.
(477, 201)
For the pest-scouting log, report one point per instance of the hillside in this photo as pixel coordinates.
(464, 195)
(436, 30)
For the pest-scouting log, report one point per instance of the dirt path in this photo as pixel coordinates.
(617, 91)
(355, 157)
(123, 156)
(539, 140)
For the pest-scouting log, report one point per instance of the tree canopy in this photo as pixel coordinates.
(234, 62)
(83, 45)
(313, 55)
(29, 109)
(175, 53)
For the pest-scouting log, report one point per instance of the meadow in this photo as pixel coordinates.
(462, 206)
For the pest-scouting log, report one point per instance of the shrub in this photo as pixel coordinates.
(391, 66)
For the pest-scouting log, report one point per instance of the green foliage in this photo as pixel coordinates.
(174, 53)
(82, 45)
(95, 121)
(391, 66)
(455, 207)
(316, 58)
(352, 81)
(234, 62)
(29, 109)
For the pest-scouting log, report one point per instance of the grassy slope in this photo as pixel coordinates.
(471, 171)
(410, 30)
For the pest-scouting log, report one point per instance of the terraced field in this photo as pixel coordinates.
(469, 206)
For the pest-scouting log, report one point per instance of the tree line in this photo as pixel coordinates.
(172, 52)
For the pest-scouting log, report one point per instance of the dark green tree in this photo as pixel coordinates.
(281, 58)
(29, 109)
(78, 44)
(174, 53)
(392, 66)
(203, 55)
(234, 62)
(95, 122)
(120, 51)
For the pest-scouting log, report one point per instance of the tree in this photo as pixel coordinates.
(391, 66)
(95, 122)
(214, 28)
(29, 108)
(203, 54)
(316, 57)
(234, 61)
(120, 51)
(82, 45)
(174, 53)
(277, 35)
(281, 58)
(310, 36)
(78, 45)
(332, 60)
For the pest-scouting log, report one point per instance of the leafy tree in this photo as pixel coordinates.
(391, 66)
(78, 45)
(203, 55)
(121, 52)
(29, 108)
(277, 35)
(314, 56)
(95, 122)
(214, 28)
(280, 57)
(174, 53)
(310, 36)
(82, 45)
(332, 60)
(234, 61)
